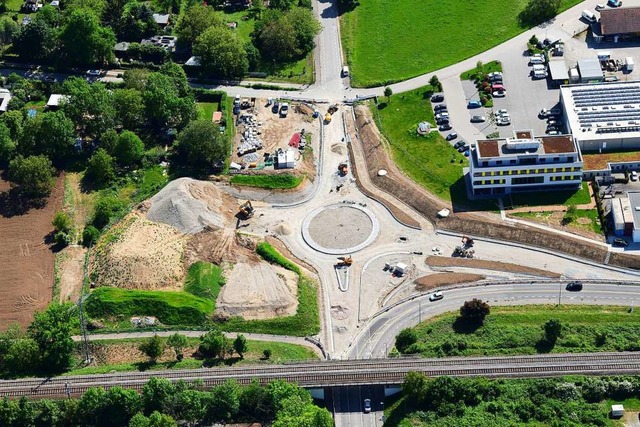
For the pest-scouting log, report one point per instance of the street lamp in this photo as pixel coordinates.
(559, 293)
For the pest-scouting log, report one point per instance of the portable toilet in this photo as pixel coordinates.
(617, 411)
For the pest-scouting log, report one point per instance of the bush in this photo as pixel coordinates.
(90, 234)
(405, 339)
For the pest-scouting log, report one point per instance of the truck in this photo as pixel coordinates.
(628, 64)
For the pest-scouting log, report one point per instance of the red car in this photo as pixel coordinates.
(496, 87)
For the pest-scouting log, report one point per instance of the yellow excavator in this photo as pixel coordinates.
(345, 261)
(246, 209)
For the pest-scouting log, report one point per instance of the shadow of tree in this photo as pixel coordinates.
(14, 203)
(544, 346)
(466, 326)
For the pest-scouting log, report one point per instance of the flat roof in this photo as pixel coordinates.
(634, 201)
(55, 98)
(590, 68)
(558, 70)
(602, 110)
(525, 144)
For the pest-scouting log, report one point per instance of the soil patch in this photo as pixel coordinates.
(139, 254)
(438, 261)
(339, 312)
(258, 290)
(71, 273)
(480, 224)
(26, 259)
(437, 280)
(340, 227)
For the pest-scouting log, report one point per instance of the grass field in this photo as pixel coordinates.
(387, 41)
(204, 280)
(518, 330)
(590, 214)
(487, 68)
(430, 160)
(205, 110)
(281, 181)
(580, 197)
(280, 353)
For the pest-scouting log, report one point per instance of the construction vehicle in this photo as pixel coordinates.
(467, 241)
(463, 252)
(327, 119)
(343, 169)
(345, 261)
(246, 209)
(332, 109)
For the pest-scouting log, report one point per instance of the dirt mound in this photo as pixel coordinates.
(283, 229)
(339, 312)
(339, 149)
(188, 205)
(443, 279)
(437, 261)
(139, 254)
(258, 291)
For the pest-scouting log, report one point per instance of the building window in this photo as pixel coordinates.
(499, 162)
(570, 159)
(543, 160)
(528, 180)
(556, 159)
(485, 164)
(512, 162)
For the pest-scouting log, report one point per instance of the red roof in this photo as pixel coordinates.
(621, 20)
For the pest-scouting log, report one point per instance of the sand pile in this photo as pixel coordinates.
(188, 205)
(283, 229)
(258, 291)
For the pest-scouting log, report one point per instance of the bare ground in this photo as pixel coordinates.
(26, 259)
(438, 261)
(437, 280)
(72, 273)
(580, 227)
(471, 223)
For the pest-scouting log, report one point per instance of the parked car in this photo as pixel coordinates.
(440, 107)
(495, 75)
(473, 103)
(558, 50)
(600, 6)
(437, 295)
(552, 132)
(284, 110)
(467, 153)
(574, 286)
(537, 59)
(503, 121)
(477, 119)
(498, 86)
(458, 144)
(633, 176)
(445, 126)
(451, 136)
(276, 107)
(437, 98)
(544, 113)
(461, 149)
(94, 73)
(614, 3)
(552, 122)
(618, 241)
(442, 115)
(502, 112)
(499, 94)
(442, 121)
(367, 405)
(236, 109)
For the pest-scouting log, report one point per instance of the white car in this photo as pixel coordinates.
(600, 6)
(501, 112)
(94, 73)
(503, 121)
(437, 295)
(499, 94)
(634, 176)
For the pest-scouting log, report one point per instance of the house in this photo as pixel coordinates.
(5, 97)
(524, 163)
(619, 21)
(162, 19)
(55, 100)
(120, 49)
(238, 4)
(167, 42)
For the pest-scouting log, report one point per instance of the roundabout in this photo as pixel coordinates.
(340, 229)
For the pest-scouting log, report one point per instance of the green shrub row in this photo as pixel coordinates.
(281, 181)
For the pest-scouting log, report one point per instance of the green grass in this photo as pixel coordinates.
(591, 214)
(428, 160)
(580, 197)
(518, 330)
(204, 280)
(487, 68)
(173, 308)
(205, 110)
(387, 41)
(280, 353)
(281, 181)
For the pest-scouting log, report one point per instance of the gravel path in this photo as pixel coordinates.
(340, 227)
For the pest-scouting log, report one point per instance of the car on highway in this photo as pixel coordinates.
(499, 94)
(367, 405)
(474, 103)
(477, 119)
(437, 295)
(437, 98)
(451, 136)
(618, 241)
(445, 126)
(574, 286)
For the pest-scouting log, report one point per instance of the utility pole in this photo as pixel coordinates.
(419, 311)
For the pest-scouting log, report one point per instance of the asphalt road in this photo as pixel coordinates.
(377, 337)
(347, 404)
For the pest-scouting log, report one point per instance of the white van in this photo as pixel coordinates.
(589, 16)
(539, 67)
(540, 74)
(537, 60)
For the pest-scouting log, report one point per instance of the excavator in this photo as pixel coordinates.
(246, 209)
(344, 261)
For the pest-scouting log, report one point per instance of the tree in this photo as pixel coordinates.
(7, 146)
(299, 413)
(156, 419)
(435, 83)
(62, 222)
(90, 234)
(240, 345)
(266, 353)
(32, 175)
(570, 215)
(121, 405)
(8, 31)
(129, 148)
(306, 28)
(178, 343)
(106, 208)
(92, 407)
(405, 339)
(100, 169)
(135, 78)
(23, 356)
(90, 106)
(538, 11)
(221, 53)
(213, 344)
(283, 4)
(225, 402)
(84, 41)
(153, 347)
(552, 330)
(36, 40)
(388, 92)
(14, 121)
(129, 108)
(157, 394)
(195, 22)
(200, 145)
(51, 134)
(165, 106)
(415, 386)
(286, 36)
(51, 330)
(136, 22)
(475, 310)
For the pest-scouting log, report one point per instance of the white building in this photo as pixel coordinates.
(524, 163)
(5, 97)
(285, 159)
(626, 215)
(604, 116)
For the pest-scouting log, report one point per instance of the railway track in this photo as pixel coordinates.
(342, 372)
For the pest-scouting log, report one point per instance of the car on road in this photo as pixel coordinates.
(367, 405)
(574, 286)
(437, 295)
(618, 241)
(474, 103)
(451, 136)
(458, 144)
(477, 119)
(633, 176)
(437, 98)
(499, 94)
(444, 126)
